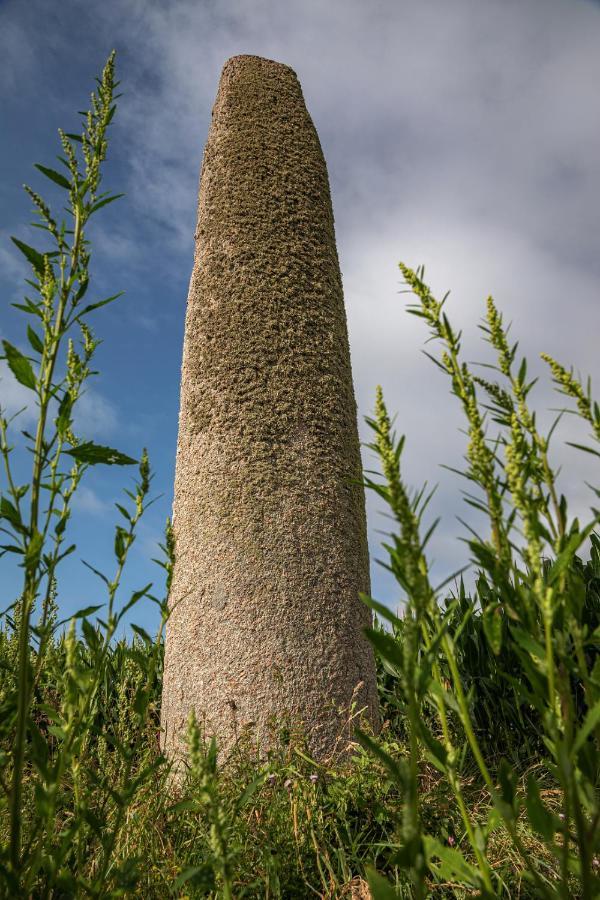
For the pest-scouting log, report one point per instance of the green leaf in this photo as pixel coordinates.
(29, 308)
(387, 761)
(35, 340)
(86, 611)
(200, 876)
(492, 626)
(540, 818)
(386, 647)
(63, 419)
(249, 792)
(57, 732)
(380, 887)
(565, 557)
(95, 454)
(10, 512)
(105, 202)
(123, 512)
(19, 365)
(34, 548)
(140, 701)
(583, 447)
(533, 647)
(185, 806)
(508, 783)
(384, 611)
(36, 259)
(141, 632)
(54, 176)
(590, 722)
(100, 303)
(452, 863)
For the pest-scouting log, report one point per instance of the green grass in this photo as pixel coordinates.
(484, 778)
(281, 827)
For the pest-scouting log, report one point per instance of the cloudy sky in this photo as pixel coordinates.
(464, 135)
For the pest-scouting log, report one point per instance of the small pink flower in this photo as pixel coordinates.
(288, 784)
(272, 778)
(314, 778)
(451, 840)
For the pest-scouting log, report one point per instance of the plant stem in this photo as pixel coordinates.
(31, 571)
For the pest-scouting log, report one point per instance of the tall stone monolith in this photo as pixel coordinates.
(266, 622)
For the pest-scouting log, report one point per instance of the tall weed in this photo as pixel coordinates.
(513, 662)
(67, 780)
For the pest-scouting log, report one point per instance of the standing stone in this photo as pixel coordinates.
(271, 548)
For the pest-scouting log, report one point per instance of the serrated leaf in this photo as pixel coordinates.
(54, 176)
(19, 365)
(10, 512)
(35, 340)
(36, 259)
(95, 454)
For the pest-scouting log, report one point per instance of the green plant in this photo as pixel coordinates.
(45, 746)
(509, 668)
(534, 611)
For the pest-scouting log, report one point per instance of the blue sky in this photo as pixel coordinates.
(465, 136)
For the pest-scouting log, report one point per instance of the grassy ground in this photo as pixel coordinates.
(284, 827)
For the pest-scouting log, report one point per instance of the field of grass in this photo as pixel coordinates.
(484, 778)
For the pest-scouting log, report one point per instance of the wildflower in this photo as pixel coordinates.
(314, 777)
(451, 840)
(272, 778)
(288, 784)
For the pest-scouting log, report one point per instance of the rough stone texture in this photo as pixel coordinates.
(266, 624)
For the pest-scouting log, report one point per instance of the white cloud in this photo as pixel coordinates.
(11, 264)
(88, 501)
(460, 135)
(15, 398)
(94, 416)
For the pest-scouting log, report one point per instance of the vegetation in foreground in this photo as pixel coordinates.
(484, 779)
